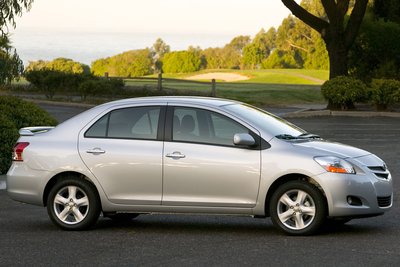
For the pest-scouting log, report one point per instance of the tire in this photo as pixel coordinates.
(73, 204)
(294, 215)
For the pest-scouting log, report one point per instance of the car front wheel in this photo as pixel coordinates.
(298, 208)
(73, 204)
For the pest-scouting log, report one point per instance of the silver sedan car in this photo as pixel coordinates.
(193, 155)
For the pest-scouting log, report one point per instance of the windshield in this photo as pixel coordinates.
(270, 123)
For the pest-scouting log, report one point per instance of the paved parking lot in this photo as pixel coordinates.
(27, 237)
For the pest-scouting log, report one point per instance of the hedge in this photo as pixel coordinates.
(16, 114)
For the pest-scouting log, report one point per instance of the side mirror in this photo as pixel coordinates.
(243, 139)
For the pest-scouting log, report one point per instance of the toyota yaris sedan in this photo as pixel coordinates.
(193, 155)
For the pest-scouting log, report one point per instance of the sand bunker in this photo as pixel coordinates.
(222, 76)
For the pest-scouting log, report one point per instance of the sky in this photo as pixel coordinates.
(86, 30)
(171, 16)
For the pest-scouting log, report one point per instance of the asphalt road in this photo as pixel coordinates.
(27, 237)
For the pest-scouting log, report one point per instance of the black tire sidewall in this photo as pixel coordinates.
(94, 203)
(316, 195)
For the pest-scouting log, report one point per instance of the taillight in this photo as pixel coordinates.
(18, 149)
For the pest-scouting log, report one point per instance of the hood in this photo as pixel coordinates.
(324, 148)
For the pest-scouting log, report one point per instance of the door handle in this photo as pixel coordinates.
(175, 155)
(95, 151)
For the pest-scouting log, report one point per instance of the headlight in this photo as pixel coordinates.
(335, 164)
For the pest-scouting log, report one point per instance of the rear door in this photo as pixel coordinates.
(123, 149)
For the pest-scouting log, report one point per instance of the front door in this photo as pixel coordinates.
(202, 166)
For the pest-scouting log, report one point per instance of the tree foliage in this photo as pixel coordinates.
(259, 49)
(389, 10)
(375, 53)
(9, 10)
(182, 61)
(158, 50)
(11, 66)
(132, 63)
(65, 65)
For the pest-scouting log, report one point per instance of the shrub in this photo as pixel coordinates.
(384, 92)
(342, 92)
(100, 86)
(50, 81)
(16, 114)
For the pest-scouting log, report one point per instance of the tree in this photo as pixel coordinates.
(238, 43)
(132, 63)
(259, 49)
(375, 53)
(182, 61)
(9, 9)
(158, 50)
(11, 66)
(337, 32)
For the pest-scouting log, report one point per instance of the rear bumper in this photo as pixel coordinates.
(25, 184)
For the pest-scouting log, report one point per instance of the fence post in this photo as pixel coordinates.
(159, 82)
(213, 86)
(106, 75)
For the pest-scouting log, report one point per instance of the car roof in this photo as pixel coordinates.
(208, 101)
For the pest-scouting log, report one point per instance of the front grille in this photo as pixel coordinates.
(380, 171)
(377, 168)
(384, 201)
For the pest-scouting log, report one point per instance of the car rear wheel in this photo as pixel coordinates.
(73, 204)
(298, 208)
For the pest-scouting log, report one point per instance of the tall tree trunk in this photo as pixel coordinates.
(338, 35)
(337, 52)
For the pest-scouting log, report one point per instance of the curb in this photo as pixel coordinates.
(55, 103)
(3, 182)
(319, 113)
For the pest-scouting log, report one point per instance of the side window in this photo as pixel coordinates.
(127, 123)
(185, 125)
(203, 126)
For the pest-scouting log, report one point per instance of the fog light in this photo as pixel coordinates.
(354, 201)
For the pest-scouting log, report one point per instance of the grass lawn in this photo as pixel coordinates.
(284, 76)
(277, 87)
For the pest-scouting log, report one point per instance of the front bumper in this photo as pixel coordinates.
(356, 195)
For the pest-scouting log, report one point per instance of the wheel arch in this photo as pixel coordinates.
(60, 176)
(287, 178)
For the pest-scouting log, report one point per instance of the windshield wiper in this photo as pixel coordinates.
(286, 136)
(309, 136)
(301, 136)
